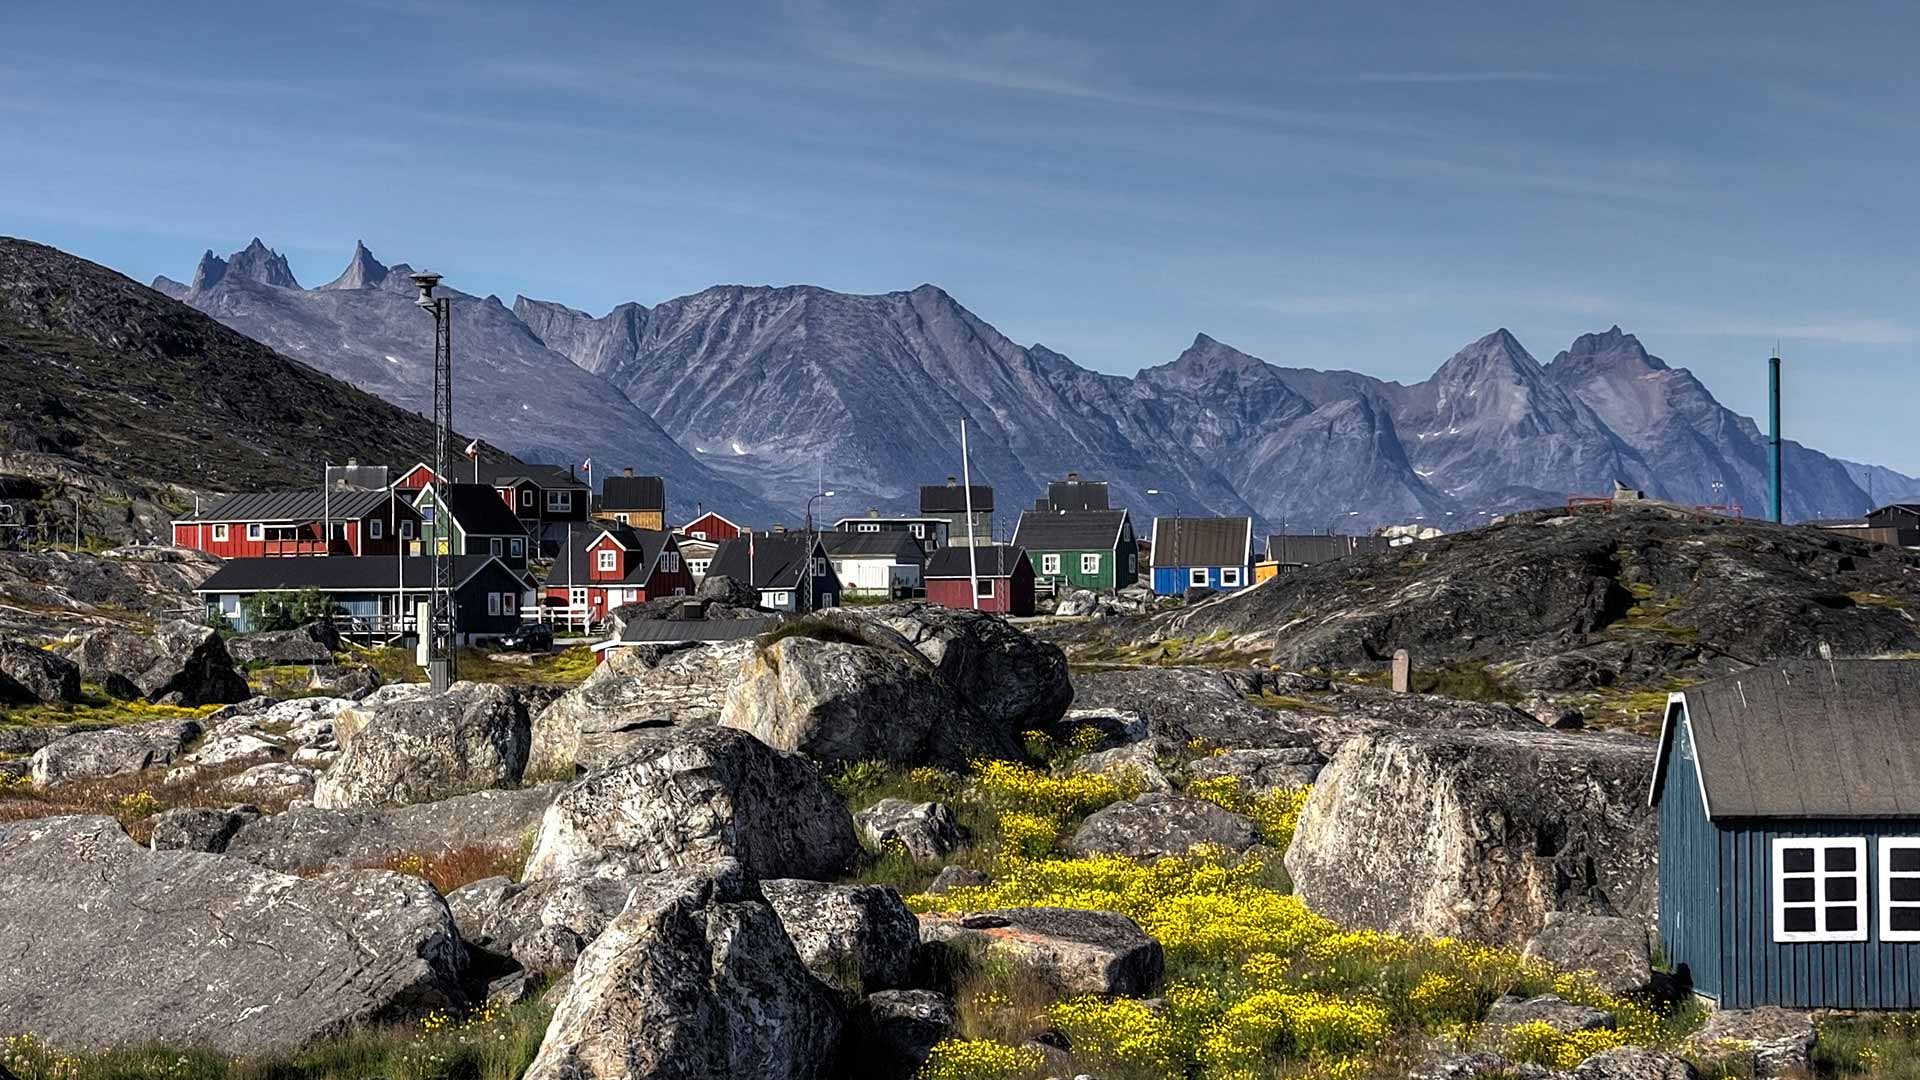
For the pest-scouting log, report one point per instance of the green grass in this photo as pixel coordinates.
(95, 707)
(394, 664)
(1883, 1048)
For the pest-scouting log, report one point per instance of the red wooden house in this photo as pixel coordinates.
(615, 565)
(710, 527)
(311, 521)
(1005, 577)
(537, 494)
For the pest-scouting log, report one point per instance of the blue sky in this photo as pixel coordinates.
(1351, 185)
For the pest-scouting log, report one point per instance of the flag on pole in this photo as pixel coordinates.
(473, 449)
(587, 467)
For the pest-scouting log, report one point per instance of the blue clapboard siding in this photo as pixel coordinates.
(1690, 918)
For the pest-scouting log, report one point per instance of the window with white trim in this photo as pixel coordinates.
(1230, 577)
(526, 497)
(698, 534)
(670, 562)
(609, 560)
(517, 546)
(406, 530)
(508, 602)
(559, 502)
(1820, 889)
(1090, 562)
(778, 599)
(577, 597)
(983, 588)
(868, 527)
(376, 529)
(493, 545)
(256, 531)
(622, 519)
(493, 603)
(918, 530)
(1900, 888)
(698, 567)
(1049, 564)
(1197, 577)
(220, 532)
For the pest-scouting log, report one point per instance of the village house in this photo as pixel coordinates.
(698, 555)
(1897, 524)
(614, 565)
(884, 564)
(374, 594)
(638, 501)
(1079, 549)
(1074, 494)
(469, 519)
(292, 523)
(710, 526)
(1789, 821)
(1201, 553)
(997, 578)
(537, 494)
(778, 567)
(930, 531)
(948, 502)
(1287, 552)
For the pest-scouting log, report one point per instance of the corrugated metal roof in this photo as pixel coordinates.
(1202, 541)
(899, 546)
(339, 573)
(952, 498)
(1071, 530)
(1809, 738)
(776, 562)
(682, 631)
(1077, 495)
(633, 493)
(480, 510)
(305, 504)
(995, 561)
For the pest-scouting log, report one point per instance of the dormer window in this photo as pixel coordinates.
(609, 561)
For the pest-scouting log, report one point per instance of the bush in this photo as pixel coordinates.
(270, 611)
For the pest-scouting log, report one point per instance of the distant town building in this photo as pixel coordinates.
(468, 519)
(1080, 549)
(376, 594)
(948, 502)
(310, 521)
(780, 568)
(1075, 494)
(614, 565)
(879, 564)
(710, 526)
(637, 501)
(1286, 552)
(999, 577)
(1201, 553)
(930, 530)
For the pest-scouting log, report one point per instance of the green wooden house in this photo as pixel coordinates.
(1080, 549)
(469, 519)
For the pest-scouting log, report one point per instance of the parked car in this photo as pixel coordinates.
(533, 637)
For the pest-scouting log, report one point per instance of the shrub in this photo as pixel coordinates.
(981, 1059)
(266, 612)
(1275, 814)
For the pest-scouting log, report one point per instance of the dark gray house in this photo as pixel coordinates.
(778, 567)
(1789, 805)
(950, 500)
(378, 594)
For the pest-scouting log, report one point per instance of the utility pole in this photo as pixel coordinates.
(973, 551)
(440, 660)
(1773, 398)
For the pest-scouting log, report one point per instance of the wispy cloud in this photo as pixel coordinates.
(1445, 78)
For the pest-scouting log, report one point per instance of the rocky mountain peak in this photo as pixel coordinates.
(259, 263)
(1612, 348)
(208, 274)
(363, 271)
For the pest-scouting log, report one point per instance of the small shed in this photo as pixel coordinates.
(1000, 576)
(1789, 806)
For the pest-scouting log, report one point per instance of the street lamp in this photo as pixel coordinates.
(437, 635)
(810, 534)
(1337, 517)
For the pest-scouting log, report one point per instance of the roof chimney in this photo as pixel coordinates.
(628, 471)
(1072, 476)
(873, 511)
(952, 481)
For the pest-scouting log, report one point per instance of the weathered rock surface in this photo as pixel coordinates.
(1263, 772)
(431, 746)
(1076, 952)
(198, 828)
(957, 877)
(1474, 1065)
(686, 799)
(545, 925)
(91, 755)
(1614, 949)
(1135, 765)
(273, 782)
(928, 831)
(310, 837)
(1160, 825)
(30, 674)
(1478, 834)
(1008, 678)
(859, 938)
(27, 739)
(1549, 1009)
(180, 662)
(687, 985)
(632, 693)
(894, 1031)
(1179, 705)
(1632, 1063)
(313, 643)
(1774, 1041)
(190, 948)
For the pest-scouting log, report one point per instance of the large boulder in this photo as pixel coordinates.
(1263, 772)
(180, 662)
(198, 828)
(732, 592)
(633, 693)
(1478, 834)
(431, 746)
(927, 831)
(1161, 825)
(308, 839)
(314, 643)
(1772, 1041)
(1136, 765)
(543, 926)
(687, 799)
(31, 674)
(685, 984)
(1634, 1063)
(857, 938)
(1013, 681)
(104, 943)
(1074, 952)
(1613, 949)
(93, 755)
(1550, 1009)
(894, 1032)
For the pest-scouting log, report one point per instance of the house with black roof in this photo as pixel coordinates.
(929, 529)
(949, 502)
(1074, 494)
(1286, 552)
(1080, 549)
(339, 521)
(611, 565)
(1895, 523)
(469, 519)
(986, 577)
(1201, 553)
(787, 573)
(638, 501)
(377, 594)
(1788, 798)
(882, 564)
(538, 495)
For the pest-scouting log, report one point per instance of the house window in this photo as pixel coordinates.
(622, 519)
(493, 603)
(869, 527)
(918, 530)
(1049, 564)
(778, 599)
(670, 562)
(577, 597)
(983, 587)
(1820, 889)
(406, 530)
(609, 560)
(1230, 577)
(1090, 562)
(559, 502)
(1900, 888)
(698, 567)
(1197, 577)
(494, 546)
(508, 603)
(819, 566)
(698, 534)
(526, 497)
(517, 546)
(376, 529)
(220, 532)
(256, 531)
(426, 513)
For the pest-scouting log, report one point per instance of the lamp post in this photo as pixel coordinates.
(439, 628)
(808, 564)
(1176, 527)
(1337, 517)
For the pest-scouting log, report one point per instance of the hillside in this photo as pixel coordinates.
(139, 401)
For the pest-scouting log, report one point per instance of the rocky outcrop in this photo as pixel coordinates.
(543, 926)
(631, 694)
(195, 949)
(1179, 705)
(689, 799)
(1011, 680)
(1550, 1009)
(1768, 1041)
(198, 828)
(92, 755)
(1633, 1063)
(894, 1031)
(431, 746)
(179, 662)
(689, 983)
(31, 674)
(1135, 765)
(1074, 952)
(1478, 834)
(1613, 949)
(275, 782)
(1160, 825)
(309, 838)
(314, 643)
(857, 938)
(1263, 772)
(927, 831)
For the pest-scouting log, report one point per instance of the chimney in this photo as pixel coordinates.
(873, 511)
(628, 471)
(953, 481)
(1073, 477)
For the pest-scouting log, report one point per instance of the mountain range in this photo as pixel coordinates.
(747, 398)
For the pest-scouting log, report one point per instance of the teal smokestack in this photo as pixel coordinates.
(1773, 410)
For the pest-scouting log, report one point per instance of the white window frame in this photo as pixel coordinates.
(1197, 577)
(220, 534)
(983, 588)
(518, 547)
(698, 534)
(622, 519)
(778, 599)
(919, 531)
(559, 502)
(406, 530)
(1887, 876)
(670, 562)
(508, 604)
(256, 531)
(609, 560)
(494, 545)
(1089, 562)
(376, 529)
(1821, 845)
(1229, 577)
(698, 567)
(493, 603)
(526, 497)
(1050, 564)
(868, 527)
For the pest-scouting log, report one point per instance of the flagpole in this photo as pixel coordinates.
(973, 552)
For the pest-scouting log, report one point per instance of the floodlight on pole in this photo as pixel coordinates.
(438, 633)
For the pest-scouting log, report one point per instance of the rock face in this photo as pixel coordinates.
(1775, 1042)
(689, 799)
(1076, 952)
(927, 831)
(544, 925)
(31, 674)
(1478, 834)
(1136, 764)
(1632, 1063)
(1614, 949)
(91, 755)
(631, 694)
(238, 959)
(1549, 1009)
(313, 643)
(1011, 680)
(179, 662)
(309, 838)
(859, 938)
(895, 1031)
(1160, 825)
(431, 746)
(685, 985)
(198, 828)
(1263, 772)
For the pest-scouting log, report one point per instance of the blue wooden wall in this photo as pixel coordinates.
(1689, 871)
(1174, 580)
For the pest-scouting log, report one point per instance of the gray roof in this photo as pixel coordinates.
(776, 562)
(579, 570)
(478, 508)
(342, 573)
(951, 498)
(898, 546)
(681, 631)
(1077, 495)
(1293, 550)
(1806, 739)
(305, 504)
(992, 561)
(633, 493)
(1202, 541)
(1071, 530)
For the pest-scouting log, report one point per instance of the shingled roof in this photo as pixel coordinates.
(305, 504)
(1069, 530)
(1202, 541)
(1804, 739)
(993, 561)
(633, 493)
(951, 498)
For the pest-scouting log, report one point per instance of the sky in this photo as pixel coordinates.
(1362, 186)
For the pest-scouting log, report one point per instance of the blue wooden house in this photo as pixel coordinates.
(1789, 805)
(1201, 553)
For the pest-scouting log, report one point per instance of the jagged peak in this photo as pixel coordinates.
(1496, 351)
(259, 263)
(208, 272)
(363, 271)
(1611, 346)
